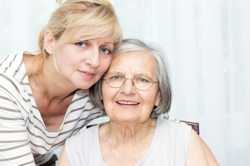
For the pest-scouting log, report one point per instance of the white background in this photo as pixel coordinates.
(207, 48)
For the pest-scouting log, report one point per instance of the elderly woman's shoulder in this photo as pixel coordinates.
(171, 129)
(198, 153)
(172, 123)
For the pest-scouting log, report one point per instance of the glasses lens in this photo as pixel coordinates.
(115, 80)
(142, 82)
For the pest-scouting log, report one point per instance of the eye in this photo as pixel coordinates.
(105, 50)
(142, 79)
(116, 77)
(81, 44)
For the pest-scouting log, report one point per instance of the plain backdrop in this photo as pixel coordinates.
(207, 48)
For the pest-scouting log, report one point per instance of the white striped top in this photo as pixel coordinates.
(24, 139)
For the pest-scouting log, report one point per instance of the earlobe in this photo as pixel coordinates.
(49, 42)
(158, 99)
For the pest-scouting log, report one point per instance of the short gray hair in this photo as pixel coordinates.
(135, 45)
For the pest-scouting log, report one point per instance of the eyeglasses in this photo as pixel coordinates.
(140, 81)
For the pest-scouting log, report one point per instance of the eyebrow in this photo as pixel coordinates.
(136, 74)
(114, 73)
(108, 43)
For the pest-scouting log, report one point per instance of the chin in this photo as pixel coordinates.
(84, 84)
(129, 120)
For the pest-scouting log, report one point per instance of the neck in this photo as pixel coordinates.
(49, 82)
(127, 133)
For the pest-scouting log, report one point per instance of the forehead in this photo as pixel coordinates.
(134, 62)
(87, 33)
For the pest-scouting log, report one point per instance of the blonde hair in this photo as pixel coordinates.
(93, 18)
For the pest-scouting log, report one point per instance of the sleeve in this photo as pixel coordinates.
(14, 140)
(183, 134)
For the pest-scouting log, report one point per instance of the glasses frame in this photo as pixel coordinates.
(133, 82)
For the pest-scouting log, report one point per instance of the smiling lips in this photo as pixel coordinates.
(127, 102)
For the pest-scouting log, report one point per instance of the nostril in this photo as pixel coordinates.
(93, 58)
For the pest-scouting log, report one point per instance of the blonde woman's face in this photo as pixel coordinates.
(83, 62)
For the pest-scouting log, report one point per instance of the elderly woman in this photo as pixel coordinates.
(134, 93)
(44, 95)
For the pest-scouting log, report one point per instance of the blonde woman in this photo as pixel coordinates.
(44, 96)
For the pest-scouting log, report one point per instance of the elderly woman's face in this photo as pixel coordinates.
(131, 100)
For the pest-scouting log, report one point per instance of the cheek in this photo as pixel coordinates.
(64, 57)
(68, 52)
(150, 100)
(108, 95)
(66, 64)
(105, 63)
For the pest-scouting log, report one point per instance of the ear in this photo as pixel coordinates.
(158, 99)
(49, 42)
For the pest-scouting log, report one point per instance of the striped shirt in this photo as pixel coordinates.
(24, 139)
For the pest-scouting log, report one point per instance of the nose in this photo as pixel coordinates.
(128, 86)
(93, 59)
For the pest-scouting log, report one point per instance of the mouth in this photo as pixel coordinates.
(127, 103)
(87, 75)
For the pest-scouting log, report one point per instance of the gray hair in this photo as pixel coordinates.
(135, 45)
